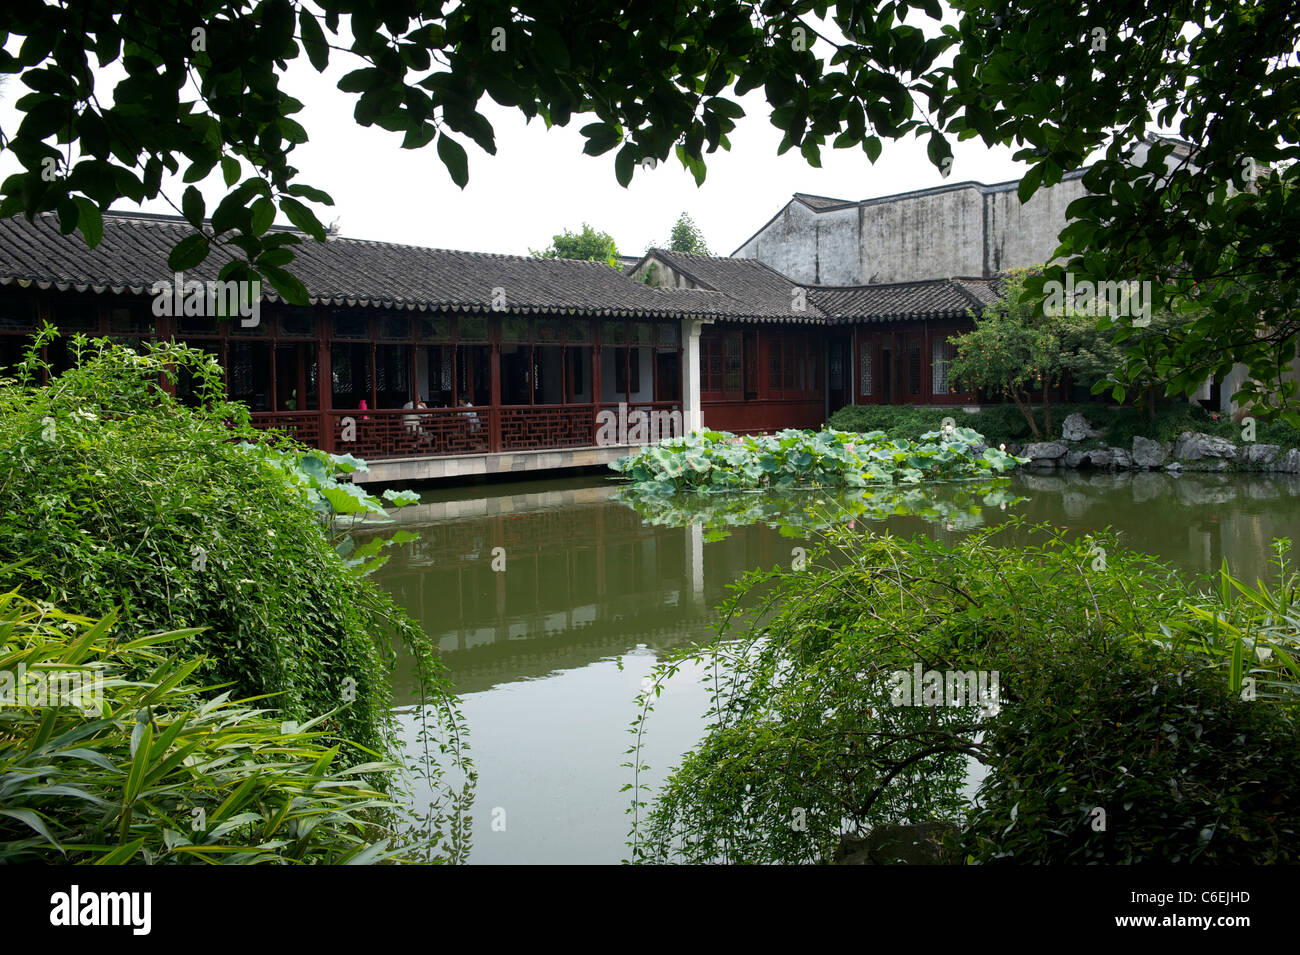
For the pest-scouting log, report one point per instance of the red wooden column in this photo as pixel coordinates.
(597, 389)
(324, 381)
(274, 388)
(301, 353)
(494, 393)
(374, 368)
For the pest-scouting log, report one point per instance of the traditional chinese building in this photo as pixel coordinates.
(432, 363)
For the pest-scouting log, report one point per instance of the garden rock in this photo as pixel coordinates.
(1044, 454)
(1261, 455)
(1093, 458)
(1148, 453)
(1077, 428)
(1121, 458)
(1194, 446)
(1288, 463)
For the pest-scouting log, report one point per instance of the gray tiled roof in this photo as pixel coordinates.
(932, 298)
(749, 286)
(133, 256)
(821, 203)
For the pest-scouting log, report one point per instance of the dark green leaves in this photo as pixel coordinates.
(89, 221)
(189, 252)
(313, 39)
(453, 157)
(302, 217)
(601, 138)
(192, 207)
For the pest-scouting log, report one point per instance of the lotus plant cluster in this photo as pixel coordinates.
(720, 461)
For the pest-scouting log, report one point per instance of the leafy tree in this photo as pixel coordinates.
(1011, 351)
(118, 496)
(1091, 355)
(202, 91)
(588, 245)
(687, 237)
(1106, 687)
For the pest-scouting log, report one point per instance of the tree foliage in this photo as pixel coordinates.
(808, 739)
(588, 245)
(117, 496)
(687, 237)
(1012, 352)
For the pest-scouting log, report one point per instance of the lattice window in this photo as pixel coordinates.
(733, 381)
(939, 365)
(866, 375)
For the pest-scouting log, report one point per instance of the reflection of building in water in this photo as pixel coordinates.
(581, 583)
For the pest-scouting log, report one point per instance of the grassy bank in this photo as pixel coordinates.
(1005, 423)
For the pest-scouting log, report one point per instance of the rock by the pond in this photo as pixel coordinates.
(1194, 446)
(1261, 454)
(1076, 428)
(1044, 454)
(898, 844)
(1121, 458)
(1148, 453)
(1205, 464)
(1094, 458)
(1288, 463)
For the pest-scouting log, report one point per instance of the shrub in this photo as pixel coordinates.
(1005, 424)
(804, 729)
(1135, 756)
(157, 770)
(114, 493)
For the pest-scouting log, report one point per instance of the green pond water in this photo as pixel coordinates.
(548, 654)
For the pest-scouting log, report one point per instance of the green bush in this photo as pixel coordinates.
(1134, 756)
(1005, 424)
(115, 494)
(112, 753)
(1102, 669)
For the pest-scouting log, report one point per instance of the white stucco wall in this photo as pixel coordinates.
(929, 236)
(962, 229)
(817, 247)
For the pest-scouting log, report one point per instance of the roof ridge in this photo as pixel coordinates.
(166, 219)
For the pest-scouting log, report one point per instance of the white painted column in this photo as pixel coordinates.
(695, 560)
(692, 412)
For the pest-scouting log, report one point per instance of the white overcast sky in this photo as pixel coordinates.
(540, 182)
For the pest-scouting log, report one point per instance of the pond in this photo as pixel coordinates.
(551, 601)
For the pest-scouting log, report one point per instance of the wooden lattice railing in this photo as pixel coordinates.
(303, 425)
(406, 433)
(664, 418)
(536, 427)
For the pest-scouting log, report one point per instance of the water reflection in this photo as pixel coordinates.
(591, 581)
(795, 513)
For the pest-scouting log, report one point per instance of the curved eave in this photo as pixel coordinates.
(351, 301)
